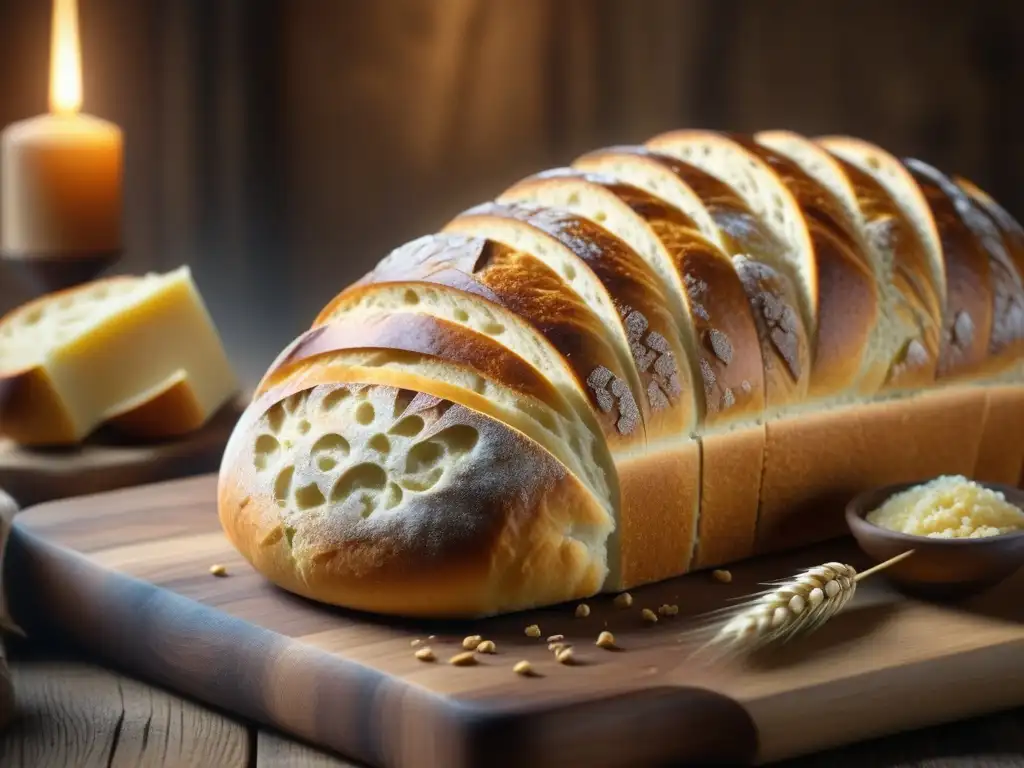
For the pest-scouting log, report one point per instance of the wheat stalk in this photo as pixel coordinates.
(786, 610)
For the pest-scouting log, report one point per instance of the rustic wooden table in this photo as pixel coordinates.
(74, 714)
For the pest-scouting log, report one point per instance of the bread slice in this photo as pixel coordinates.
(528, 400)
(784, 336)
(383, 499)
(905, 349)
(617, 284)
(639, 167)
(967, 325)
(622, 290)
(516, 300)
(1002, 239)
(717, 328)
(901, 186)
(822, 256)
(142, 351)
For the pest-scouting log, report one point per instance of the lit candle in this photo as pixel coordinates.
(60, 173)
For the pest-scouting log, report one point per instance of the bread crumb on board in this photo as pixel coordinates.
(523, 668)
(533, 631)
(649, 616)
(722, 575)
(424, 654)
(218, 570)
(605, 640)
(668, 610)
(487, 646)
(464, 659)
(565, 656)
(582, 611)
(471, 642)
(625, 600)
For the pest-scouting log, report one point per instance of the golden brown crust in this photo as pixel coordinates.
(773, 300)
(464, 518)
(730, 492)
(1003, 240)
(847, 296)
(967, 322)
(643, 315)
(421, 335)
(528, 288)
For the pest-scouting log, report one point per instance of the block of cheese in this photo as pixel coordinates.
(139, 352)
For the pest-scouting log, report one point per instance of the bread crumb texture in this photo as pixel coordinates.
(523, 668)
(949, 507)
(218, 570)
(533, 631)
(722, 575)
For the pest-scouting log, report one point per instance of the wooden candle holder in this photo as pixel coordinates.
(46, 273)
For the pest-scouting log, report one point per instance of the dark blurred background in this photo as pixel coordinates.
(281, 147)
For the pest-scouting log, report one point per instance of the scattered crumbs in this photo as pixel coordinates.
(624, 600)
(415, 642)
(556, 638)
(582, 611)
(565, 656)
(425, 654)
(533, 631)
(605, 640)
(668, 610)
(558, 647)
(471, 642)
(487, 646)
(649, 616)
(523, 668)
(218, 570)
(431, 638)
(722, 575)
(464, 659)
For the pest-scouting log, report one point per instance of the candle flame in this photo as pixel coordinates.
(65, 59)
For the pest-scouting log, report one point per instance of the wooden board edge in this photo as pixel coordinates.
(350, 708)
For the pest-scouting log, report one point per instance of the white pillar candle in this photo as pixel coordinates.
(60, 174)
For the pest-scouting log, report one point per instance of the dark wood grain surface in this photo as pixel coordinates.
(350, 682)
(75, 714)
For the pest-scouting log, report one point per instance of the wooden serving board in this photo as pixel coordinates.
(107, 462)
(126, 575)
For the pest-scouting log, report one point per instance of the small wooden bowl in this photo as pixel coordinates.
(939, 569)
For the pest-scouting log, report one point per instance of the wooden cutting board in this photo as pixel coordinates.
(107, 462)
(126, 575)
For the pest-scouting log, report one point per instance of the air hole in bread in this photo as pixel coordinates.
(574, 199)
(363, 482)
(461, 315)
(873, 162)
(331, 443)
(600, 217)
(410, 297)
(333, 399)
(283, 485)
(393, 497)
(292, 403)
(275, 417)
(309, 497)
(569, 271)
(365, 413)
(410, 426)
(289, 534)
(458, 440)
(304, 427)
(494, 329)
(423, 456)
(422, 483)
(380, 443)
(402, 400)
(265, 450)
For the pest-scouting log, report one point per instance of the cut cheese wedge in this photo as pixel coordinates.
(141, 352)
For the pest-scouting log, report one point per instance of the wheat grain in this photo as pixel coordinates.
(787, 610)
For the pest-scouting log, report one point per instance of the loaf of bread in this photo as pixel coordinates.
(138, 353)
(662, 359)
